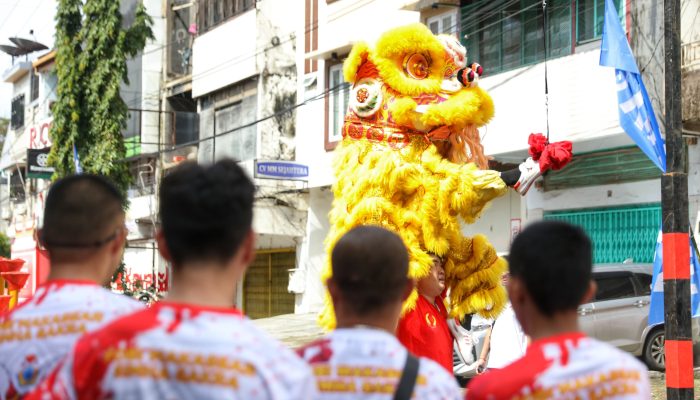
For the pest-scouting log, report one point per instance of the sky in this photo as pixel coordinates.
(17, 18)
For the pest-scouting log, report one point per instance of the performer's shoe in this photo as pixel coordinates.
(529, 172)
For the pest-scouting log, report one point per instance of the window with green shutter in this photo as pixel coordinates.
(627, 164)
(618, 234)
(505, 34)
(590, 15)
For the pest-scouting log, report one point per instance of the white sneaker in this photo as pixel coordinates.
(529, 172)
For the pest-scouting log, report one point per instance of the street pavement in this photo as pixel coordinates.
(294, 330)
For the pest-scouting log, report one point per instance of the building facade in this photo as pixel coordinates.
(230, 92)
(611, 189)
(34, 82)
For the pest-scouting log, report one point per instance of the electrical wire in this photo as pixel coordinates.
(9, 14)
(544, 43)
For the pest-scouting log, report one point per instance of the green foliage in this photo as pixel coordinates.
(4, 123)
(91, 55)
(4, 245)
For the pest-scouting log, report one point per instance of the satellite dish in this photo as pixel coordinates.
(28, 45)
(13, 51)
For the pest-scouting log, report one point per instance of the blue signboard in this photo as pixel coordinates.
(281, 170)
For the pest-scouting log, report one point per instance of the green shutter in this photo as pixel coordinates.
(619, 233)
(628, 164)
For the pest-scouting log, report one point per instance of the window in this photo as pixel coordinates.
(644, 281)
(617, 233)
(265, 284)
(590, 15)
(234, 122)
(503, 35)
(34, 83)
(443, 23)
(337, 104)
(214, 12)
(614, 286)
(17, 188)
(17, 117)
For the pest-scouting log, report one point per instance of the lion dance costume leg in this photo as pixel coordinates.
(411, 161)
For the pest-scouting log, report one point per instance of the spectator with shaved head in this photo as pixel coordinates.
(84, 235)
(362, 358)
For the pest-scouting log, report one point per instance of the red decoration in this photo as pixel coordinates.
(550, 155)
(537, 142)
(15, 280)
(7, 265)
(555, 156)
(4, 303)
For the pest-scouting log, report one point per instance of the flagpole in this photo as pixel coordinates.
(674, 203)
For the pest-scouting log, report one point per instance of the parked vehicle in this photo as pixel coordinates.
(619, 313)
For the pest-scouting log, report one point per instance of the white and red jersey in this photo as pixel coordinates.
(366, 363)
(567, 366)
(39, 332)
(179, 351)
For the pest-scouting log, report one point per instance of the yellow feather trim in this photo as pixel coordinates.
(357, 56)
(420, 196)
(471, 106)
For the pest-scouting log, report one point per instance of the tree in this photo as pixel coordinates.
(89, 114)
(5, 245)
(4, 123)
(92, 48)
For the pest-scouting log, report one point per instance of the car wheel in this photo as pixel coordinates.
(654, 354)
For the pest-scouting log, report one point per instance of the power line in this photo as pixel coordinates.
(9, 14)
(38, 4)
(317, 97)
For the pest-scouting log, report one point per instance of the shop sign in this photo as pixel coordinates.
(38, 163)
(286, 170)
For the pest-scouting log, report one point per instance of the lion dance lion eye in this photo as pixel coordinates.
(417, 66)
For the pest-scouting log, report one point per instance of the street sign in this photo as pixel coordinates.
(285, 170)
(38, 163)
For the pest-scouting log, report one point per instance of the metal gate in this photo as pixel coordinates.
(617, 234)
(265, 284)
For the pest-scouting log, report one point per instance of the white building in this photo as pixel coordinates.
(22, 202)
(34, 92)
(233, 63)
(610, 188)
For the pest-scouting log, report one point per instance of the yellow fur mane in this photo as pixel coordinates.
(420, 191)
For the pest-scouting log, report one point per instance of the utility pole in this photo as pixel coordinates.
(674, 203)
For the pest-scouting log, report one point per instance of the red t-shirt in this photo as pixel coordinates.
(566, 366)
(425, 333)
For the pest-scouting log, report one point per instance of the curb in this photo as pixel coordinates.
(662, 375)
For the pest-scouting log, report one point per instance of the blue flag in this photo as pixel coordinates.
(656, 309)
(76, 161)
(636, 114)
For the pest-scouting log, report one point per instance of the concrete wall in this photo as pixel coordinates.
(496, 221)
(582, 105)
(312, 255)
(222, 56)
(276, 23)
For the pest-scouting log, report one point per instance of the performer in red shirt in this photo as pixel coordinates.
(550, 276)
(423, 330)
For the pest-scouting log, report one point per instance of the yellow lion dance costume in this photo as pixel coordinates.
(411, 161)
